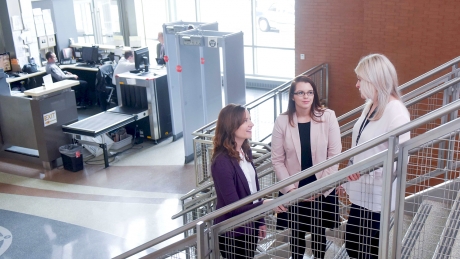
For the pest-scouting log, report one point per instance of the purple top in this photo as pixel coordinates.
(231, 186)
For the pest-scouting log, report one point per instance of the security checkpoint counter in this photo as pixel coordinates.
(31, 122)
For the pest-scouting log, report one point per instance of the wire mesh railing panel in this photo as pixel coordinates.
(263, 118)
(432, 199)
(425, 106)
(203, 154)
(313, 225)
(186, 253)
(346, 144)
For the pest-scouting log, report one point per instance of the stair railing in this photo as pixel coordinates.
(205, 242)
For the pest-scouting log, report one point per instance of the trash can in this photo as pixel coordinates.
(72, 159)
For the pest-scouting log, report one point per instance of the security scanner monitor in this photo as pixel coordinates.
(141, 60)
(5, 62)
(90, 55)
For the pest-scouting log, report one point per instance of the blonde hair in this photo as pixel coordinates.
(378, 81)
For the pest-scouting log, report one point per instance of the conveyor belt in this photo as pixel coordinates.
(99, 124)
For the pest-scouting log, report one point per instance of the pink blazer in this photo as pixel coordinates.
(286, 151)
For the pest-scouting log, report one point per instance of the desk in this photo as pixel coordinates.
(76, 67)
(58, 86)
(101, 47)
(25, 130)
(41, 71)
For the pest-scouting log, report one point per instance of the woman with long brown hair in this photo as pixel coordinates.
(303, 136)
(235, 178)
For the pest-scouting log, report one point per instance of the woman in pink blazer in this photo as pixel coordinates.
(303, 136)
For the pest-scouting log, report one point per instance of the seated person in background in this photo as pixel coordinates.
(81, 90)
(160, 46)
(125, 64)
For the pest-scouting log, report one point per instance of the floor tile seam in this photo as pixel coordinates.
(34, 192)
(82, 189)
(89, 224)
(65, 222)
(89, 201)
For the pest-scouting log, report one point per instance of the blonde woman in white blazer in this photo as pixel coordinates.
(303, 136)
(378, 85)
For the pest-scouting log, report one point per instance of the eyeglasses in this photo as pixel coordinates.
(302, 93)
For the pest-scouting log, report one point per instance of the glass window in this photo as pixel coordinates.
(232, 16)
(274, 22)
(100, 27)
(274, 62)
(185, 10)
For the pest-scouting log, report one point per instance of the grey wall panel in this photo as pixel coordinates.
(233, 61)
(191, 94)
(16, 122)
(50, 138)
(211, 84)
(8, 8)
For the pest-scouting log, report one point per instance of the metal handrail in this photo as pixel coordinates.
(418, 97)
(406, 85)
(268, 94)
(454, 106)
(203, 202)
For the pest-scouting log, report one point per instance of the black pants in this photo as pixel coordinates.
(362, 233)
(242, 246)
(313, 217)
(102, 98)
(81, 92)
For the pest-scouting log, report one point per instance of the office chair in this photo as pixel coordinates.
(104, 87)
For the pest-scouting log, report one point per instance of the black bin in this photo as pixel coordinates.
(72, 159)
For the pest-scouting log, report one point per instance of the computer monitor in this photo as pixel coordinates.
(5, 62)
(141, 59)
(90, 54)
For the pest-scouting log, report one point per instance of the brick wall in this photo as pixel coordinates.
(416, 35)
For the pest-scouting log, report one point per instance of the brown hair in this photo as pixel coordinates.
(128, 54)
(231, 117)
(315, 112)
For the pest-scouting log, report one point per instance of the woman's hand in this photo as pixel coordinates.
(340, 191)
(278, 209)
(354, 177)
(262, 231)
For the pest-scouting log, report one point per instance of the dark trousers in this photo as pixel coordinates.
(362, 233)
(242, 246)
(81, 92)
(313, 217)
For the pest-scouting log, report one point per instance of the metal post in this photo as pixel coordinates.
(401, 173)
(106, 154)
(386, 198)
(274, 106)
(281, 102)
(200, 246)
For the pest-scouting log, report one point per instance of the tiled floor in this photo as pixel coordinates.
(97, 212)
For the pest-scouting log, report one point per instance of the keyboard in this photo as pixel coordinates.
(86, 65)
(13, 74)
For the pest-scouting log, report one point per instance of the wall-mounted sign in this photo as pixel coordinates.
(212, 42)
(49, 118)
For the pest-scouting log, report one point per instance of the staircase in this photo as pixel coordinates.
(426, 220)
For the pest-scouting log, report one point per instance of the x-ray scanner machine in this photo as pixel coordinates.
(169, 35)
(201, 79)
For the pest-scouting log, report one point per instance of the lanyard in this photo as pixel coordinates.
(364, 124)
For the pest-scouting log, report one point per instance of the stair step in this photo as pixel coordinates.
(448, 242)
(425, 230)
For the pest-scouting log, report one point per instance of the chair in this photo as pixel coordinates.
(104, 87)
